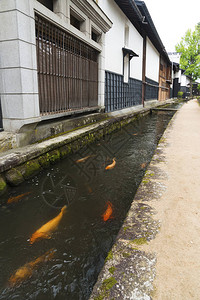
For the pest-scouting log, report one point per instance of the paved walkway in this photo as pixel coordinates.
(177, 246)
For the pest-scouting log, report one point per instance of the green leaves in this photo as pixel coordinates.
(189, 47)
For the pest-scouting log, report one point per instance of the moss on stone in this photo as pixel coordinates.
(100, 297)
(108, 283)
(126, 254)
(75, 146)
(105, 288)
(149, 173)
(135, 248)
(3, 185)
(64, 151)
(44, 161)
(125, 228)
(162, 140)
(109, 256)
(145, 181)
(140, 241)
(99, 134)
(91, 137)
(142, 207)
(54, 156)
(14, 177)
(30, 168)
(112, 270)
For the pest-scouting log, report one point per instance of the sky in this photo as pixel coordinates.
(172, 18)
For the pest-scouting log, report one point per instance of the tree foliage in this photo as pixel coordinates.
(189, 47)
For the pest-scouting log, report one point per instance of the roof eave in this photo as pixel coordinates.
(150, 29)
(132, 12)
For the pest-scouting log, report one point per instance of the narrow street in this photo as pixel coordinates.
(177, 245)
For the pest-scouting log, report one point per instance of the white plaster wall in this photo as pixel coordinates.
(152, 62)
(178, 75)
(187, 81)
(184, 80)
(136, 44)
(114, 41)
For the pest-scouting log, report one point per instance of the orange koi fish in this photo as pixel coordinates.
(143, 165)
(89, 189)
(17, 198)
(81, 160)
(135, 133)
(26, 271)
(111, 166)
(45, 231)
(108, 213)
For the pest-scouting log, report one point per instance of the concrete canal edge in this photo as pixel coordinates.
(20, 164)
(130, 267)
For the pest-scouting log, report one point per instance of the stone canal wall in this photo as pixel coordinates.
(20, 164)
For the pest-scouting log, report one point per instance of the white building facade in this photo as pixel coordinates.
(181, 82)
(133, 52)
(50, 49)
(152, 62)
(123, 59)
(63, 57)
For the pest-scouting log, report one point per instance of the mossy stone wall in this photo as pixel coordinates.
(20, 173)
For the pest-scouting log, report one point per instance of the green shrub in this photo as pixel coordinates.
(180, 94)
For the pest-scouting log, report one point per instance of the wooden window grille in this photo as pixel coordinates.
(67, 70)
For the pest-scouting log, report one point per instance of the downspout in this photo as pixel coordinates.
(144, 69)
(159, 80)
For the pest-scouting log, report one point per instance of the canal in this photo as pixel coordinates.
(80, 243)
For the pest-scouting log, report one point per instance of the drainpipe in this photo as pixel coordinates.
(143, 69)
(172, 79)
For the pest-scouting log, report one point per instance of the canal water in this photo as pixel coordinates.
(83, 238)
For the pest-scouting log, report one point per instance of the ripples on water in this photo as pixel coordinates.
(83, 239)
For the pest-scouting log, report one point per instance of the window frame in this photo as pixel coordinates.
(79, 18)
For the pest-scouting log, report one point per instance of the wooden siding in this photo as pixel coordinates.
(164, 79)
